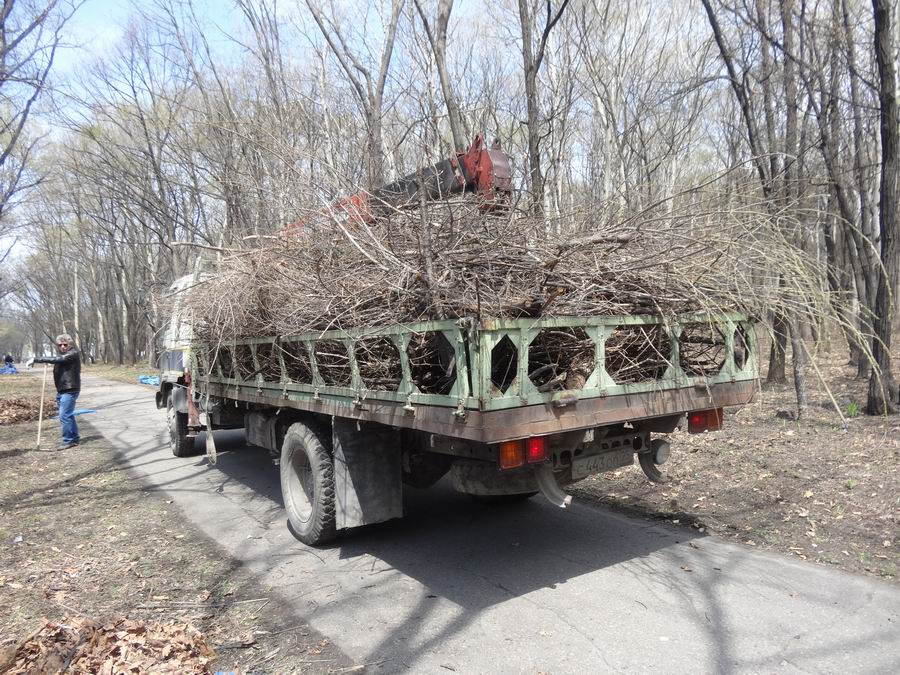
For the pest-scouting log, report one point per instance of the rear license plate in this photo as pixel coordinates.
(582, 467)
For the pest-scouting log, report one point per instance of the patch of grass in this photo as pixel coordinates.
(14, 386)
(127, 374)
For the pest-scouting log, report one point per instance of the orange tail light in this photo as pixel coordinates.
(512, 454)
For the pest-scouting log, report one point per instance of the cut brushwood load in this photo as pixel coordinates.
(454, 259)
(421, 249)
(447, 261)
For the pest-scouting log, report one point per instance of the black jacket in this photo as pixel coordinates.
(66, 370)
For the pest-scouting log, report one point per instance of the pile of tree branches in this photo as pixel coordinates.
(452, 259)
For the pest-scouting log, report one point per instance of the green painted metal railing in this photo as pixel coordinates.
(470, 353)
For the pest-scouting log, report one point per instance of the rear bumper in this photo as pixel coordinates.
(539, 420)
(496, 426)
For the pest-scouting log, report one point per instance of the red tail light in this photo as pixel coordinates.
(705, 420)
(536, 450)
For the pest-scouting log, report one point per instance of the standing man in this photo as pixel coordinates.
(67, 378)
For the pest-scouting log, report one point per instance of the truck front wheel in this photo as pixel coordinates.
(181, 444)
(307, 484)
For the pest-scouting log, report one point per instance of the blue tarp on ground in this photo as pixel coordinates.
(152, 380)
(9, 370)
(76, 413)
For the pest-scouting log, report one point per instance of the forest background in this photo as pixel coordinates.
(194, 128)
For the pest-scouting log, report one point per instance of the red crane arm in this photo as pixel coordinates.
(483, 170)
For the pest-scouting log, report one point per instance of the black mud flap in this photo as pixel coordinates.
(367, 473)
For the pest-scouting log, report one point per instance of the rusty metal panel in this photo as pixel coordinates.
(367, 473)
(500, 425)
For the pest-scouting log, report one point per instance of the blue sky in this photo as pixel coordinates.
(98, 25)
(94, 29)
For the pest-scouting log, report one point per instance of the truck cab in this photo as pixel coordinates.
(174, 368)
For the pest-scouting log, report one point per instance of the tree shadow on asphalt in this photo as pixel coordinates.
(459, 550)
(478, 557)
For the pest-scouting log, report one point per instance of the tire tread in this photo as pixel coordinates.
(181, 445)
(316, 441)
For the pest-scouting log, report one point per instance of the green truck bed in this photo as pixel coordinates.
(492, 380)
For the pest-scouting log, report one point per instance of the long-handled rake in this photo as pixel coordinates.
(37, 445)
(211, 454)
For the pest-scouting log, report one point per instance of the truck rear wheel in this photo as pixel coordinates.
(307, 484)
(181, 444)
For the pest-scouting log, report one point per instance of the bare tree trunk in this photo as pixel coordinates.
(101, 337)
(868, 273)
(438, 40)
(760, 151)
(883, 390)
(369, 90)
(798, 354)
(76, 317)
(791, 190)
(776, 373)
(532, 65)
(535, 175)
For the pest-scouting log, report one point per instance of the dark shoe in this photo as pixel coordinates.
(66, 446)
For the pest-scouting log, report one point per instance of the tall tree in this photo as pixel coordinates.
(761, 139)
(437, 37)
(29, 37)
(533, 54)
(368, 86)
(883, 390)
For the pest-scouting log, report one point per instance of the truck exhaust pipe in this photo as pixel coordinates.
(543, 474)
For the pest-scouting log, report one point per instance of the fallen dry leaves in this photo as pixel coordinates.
(24, 409)
(120, 646)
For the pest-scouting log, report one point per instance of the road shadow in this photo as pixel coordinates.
(441, 525)
(479, 557)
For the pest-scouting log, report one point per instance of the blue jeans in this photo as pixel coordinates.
(66, 403)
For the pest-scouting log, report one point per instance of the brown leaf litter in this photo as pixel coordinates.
(24, 409)
(83, 645)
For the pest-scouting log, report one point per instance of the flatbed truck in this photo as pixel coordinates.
(509, 408)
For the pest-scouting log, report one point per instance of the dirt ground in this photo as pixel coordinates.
(820, 489)
(79, 538)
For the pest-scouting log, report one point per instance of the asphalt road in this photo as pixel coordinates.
(460, 587)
